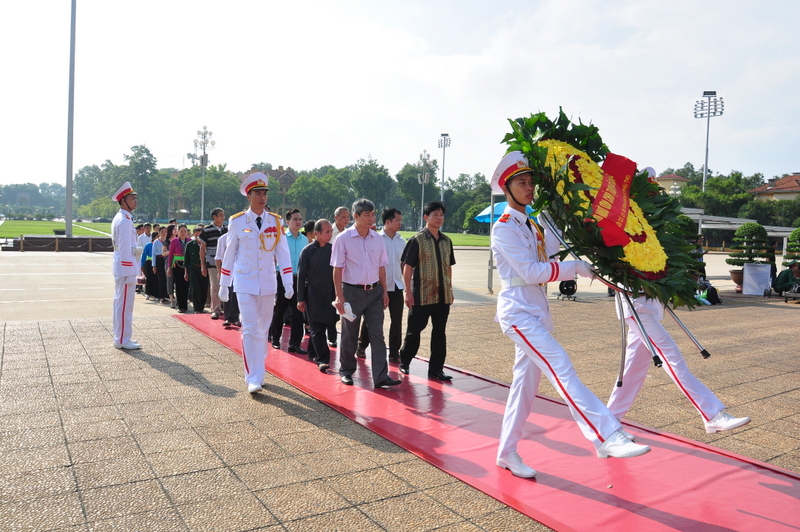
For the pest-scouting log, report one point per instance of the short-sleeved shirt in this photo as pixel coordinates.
(209, 236)
(443, 249)
(359, 257)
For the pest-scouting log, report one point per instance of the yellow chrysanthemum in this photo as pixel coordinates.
(647, 255)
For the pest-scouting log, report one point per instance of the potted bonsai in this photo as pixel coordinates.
(792, 251)
(750, 245)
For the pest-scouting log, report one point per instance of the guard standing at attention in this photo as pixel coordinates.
(522, 252)
(255, 241)
(125, 266)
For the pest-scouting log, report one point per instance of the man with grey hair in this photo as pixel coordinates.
(341, 217)
(359, 278)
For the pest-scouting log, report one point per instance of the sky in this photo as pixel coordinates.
(304, 84)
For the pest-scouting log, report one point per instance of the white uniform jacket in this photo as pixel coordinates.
(251, 254)
(123, 236)
(524, 270)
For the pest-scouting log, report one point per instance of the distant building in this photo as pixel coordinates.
(784, 188)
(669, 180)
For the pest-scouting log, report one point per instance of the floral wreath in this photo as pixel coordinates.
(613, 214)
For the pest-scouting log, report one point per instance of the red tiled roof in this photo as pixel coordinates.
(790, 183)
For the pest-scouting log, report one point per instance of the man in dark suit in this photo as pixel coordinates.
(315, 292)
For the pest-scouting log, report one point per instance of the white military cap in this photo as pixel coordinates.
(256, 181)
(123, 191)
(512, 165)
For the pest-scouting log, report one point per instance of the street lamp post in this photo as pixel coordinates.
(203, 142)
(713, 107)
(444, 143)
(422, 178)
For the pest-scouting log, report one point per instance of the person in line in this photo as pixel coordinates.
(341, 218)
(176, 267)
(296, 242)
(522, 252)
(428, 259)
(160, 264)
(308, 230)
(637, 362)
(172, 234)
(208, 247)
(315, 292)
(230, 308)
(195, 273)
(359, 278)
(149, 270)
(144, 237)
(395, 244)
(255, 241)
(125, 266)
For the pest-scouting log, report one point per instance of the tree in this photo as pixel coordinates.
(409, 188)
(86, 181)
(141, 168)
(751, 244)
(319, 196)
(372, 181)
(470, 223)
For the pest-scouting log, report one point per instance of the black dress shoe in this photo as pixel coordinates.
(276, 345)
(404, 369)
(387, 382)
(360, 353)
(298, 350)
(440, 375)
(347, 379)
(332, 344)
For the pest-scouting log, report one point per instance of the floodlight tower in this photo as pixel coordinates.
(702, 109)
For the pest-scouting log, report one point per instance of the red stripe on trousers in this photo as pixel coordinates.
(122, 317)
(244, 358)
(665, 360)
(560, 385)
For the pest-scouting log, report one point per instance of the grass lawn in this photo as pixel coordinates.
(14, 228)
(458, 239)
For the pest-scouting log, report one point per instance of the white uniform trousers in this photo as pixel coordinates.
(638, 360)
(124, 288)
(256, 314)
(538, 352)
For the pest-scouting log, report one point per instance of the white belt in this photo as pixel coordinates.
(514, 281)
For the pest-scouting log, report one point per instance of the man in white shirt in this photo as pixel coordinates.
(392, 223)
(125, 266)
(341, 217)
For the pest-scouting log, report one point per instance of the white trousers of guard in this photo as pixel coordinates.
(256, 314)
(538, 352)
(638, 359)
(124, 288)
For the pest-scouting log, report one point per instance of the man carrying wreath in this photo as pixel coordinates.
(522, 252)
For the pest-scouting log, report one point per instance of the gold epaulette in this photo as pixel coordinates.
(237, 215)
(278, 216)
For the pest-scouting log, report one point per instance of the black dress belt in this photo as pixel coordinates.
(362, 286)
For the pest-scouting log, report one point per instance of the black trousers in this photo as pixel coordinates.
(417, 321)
(281, 303)
(181, 287)
(230, 308)
(396, 304)
(199, 285)
(161, 275)
(318, 343)
(151, 287)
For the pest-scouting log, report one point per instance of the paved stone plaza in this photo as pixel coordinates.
(166, 438)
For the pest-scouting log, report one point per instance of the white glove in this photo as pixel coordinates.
(584, 269)
(223, 294)
(289, 294)
(137, 251)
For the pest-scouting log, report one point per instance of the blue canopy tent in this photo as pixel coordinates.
(484, 217)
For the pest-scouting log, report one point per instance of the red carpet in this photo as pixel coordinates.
(680, 485)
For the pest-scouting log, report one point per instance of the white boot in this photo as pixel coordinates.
(725, 421)
(514, 463)
(619, 446)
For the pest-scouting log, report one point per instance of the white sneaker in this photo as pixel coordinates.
(725, 421)
(254, 388)
(128, 345)
(620, 446)
(514, 463)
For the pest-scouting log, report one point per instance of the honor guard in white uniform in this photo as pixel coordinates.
(255, 241)
(125, 266)
(522, 252)
(637, 362)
